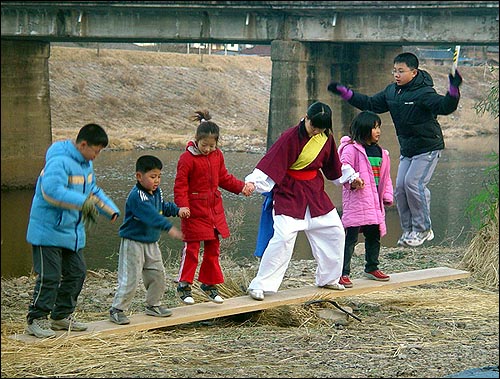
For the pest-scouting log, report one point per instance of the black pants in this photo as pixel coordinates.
(372, 247)
(61, 273)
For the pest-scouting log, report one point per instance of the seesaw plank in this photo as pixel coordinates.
(243, 304)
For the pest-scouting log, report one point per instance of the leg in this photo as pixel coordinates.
(372, 247)
(351, 239)
(130, 262)
(47, 263)
(153, 274)
(417, 194)
(210, 271)
(277, 255)
(74, 270)
(400, 195)
(189, 261)
(326, 236)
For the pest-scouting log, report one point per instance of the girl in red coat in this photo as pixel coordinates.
(200, 173)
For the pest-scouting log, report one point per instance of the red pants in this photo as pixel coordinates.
(210, 271)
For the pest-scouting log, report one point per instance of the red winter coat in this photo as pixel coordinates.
(196, 186)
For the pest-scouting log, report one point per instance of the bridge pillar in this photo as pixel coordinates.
(26, 124)
(301, 73)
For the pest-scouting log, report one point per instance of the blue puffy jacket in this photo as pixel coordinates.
(64, 184)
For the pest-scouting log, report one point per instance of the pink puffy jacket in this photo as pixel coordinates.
(365, 206)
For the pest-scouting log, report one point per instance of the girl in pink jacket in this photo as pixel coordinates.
(367, 188)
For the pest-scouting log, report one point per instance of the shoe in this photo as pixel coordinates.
(418, 238)
(118, 316)
(68, 323)
(345, 281)
(377, 275)
(256, 294)
(184, 293)
(40, 327)
(401, 240)
(212, 293)
(158, 311)
(334, 286)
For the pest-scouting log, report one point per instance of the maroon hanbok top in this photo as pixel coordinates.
(292, 196)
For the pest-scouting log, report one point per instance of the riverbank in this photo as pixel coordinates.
(145, 99)
(426, 331)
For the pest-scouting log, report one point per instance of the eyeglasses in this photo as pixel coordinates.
(399, 72)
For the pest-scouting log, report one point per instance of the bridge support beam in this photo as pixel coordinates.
(26, 125)
(302, 70)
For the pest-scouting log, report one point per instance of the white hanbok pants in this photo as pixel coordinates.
(325, 235)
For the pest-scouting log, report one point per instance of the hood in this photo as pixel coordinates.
(343, 142)
(192, 147)
(67, 149)
(423, 79)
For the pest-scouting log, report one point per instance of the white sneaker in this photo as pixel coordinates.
(334, 286)
(418, 238)
(404, 236)
(256, 294)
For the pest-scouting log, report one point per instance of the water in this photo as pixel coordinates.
(458, 176)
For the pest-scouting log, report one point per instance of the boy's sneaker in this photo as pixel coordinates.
(377, 275)
(404, 236)
(212, 293)
(334, 286)
(118, 316)
(158, 311)
(418, 238)
(68, 323)
(345, 281)
(185, 294)
(40, 327)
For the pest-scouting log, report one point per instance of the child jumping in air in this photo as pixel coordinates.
(367, 188)
(200, 172)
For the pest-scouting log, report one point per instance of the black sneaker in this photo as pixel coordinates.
(212, 293)
(185, 294)
(118, 316)
(158, 311)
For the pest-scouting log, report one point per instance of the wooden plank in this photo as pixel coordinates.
(243, 304)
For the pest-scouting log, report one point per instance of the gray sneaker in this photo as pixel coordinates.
(68, 323)
(40, 327)
(158, 311)
(118, 316)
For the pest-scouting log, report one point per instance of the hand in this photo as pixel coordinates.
(357, 183)
(338, 89)
(114, 217)
(89, 211)
(248, 189)
(455, 82)
(184, 212)
(175, 233)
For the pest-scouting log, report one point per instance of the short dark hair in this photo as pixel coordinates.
(93, 134)
(147, 163)
(362, 125)
(320, 115)
(409, 59)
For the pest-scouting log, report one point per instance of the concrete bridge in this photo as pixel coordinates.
(312, 42)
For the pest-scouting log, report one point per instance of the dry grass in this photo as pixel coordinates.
(481, 256)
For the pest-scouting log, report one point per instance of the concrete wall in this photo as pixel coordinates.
(26, 124)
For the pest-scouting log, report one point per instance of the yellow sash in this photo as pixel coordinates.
(310, 151)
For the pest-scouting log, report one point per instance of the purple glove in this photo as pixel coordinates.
(338, 89)
(455, 82)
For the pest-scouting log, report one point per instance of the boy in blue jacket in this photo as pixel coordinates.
(145, 217)
(66, 195)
